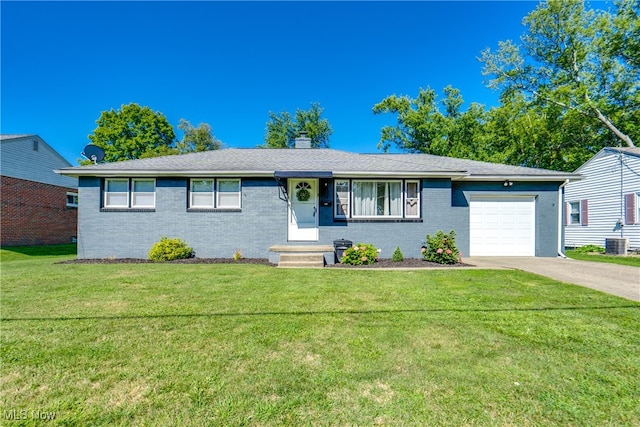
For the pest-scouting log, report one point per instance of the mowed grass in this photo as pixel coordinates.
(170, 344)
(632, 260)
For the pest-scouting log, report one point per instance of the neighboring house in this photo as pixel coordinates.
(606, 203)
(39, 207)
(252, 199)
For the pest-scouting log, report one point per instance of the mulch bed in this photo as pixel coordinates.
(406, 263)
(261, 261)
(382, 263)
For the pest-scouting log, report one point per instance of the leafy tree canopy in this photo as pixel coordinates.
(133, 132)
(581, 60)
(197, 139)
(571, 88)
(282, 129)
(423, 127)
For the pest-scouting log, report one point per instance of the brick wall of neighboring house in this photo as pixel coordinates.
(34, 213)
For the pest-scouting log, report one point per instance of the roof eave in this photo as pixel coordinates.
(106, 173)
(523, 177)
(159, 173)
(454, 175)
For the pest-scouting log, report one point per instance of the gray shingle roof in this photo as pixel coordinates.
(265, 162)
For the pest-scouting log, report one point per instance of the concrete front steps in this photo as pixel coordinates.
(301, 256)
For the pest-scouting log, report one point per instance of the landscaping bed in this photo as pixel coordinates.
(381, 263)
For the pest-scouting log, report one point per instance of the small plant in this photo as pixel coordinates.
(170, 249)
(397, 255)
(590, 249)
(360, 254)
(441, 248)
(237, 255)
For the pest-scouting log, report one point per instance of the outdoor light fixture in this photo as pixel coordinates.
(507, 183)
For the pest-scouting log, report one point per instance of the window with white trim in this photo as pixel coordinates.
(201, 193)
(143, 194)
(377, 199)
(412, 199)
(228, 193)
(363, 199)
(209, 193)
(116, 193)
(342, 198)
(574, 213)
(129, 193)
(72, 200)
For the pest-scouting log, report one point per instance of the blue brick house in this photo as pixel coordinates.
(254, 200)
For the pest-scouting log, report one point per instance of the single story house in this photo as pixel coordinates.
(251, 200)
(39, 207)
(605, 204)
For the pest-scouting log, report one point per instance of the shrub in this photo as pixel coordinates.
(237, 255)
(170, 249)
(441, 248)
(360, 254)
(590, 248)
(397, 255)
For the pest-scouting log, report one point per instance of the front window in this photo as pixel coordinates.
(212, 193)
(377, 198)
(228, 193)
(412, 199)
(116, 193)
(126, 193)
(144, 193)
(342, 198)
(201, 193)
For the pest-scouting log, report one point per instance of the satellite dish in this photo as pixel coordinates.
(93, 153)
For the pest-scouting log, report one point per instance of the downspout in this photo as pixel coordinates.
(561, 253)
(622, 213)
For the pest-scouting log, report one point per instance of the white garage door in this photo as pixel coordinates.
(502, 226)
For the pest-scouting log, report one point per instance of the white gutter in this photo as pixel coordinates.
(561, 253)
(528, 178)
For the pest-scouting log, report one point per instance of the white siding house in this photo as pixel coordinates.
(606, 202)
(30, 157)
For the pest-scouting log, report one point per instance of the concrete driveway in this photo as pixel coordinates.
(619, 280)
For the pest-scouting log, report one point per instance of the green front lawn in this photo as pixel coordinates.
(632, 260)
(176, 344)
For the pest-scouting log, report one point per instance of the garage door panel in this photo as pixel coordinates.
(502, 226)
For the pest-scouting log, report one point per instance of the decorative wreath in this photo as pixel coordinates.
(303, 194)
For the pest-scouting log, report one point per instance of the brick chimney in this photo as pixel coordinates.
(303, 141)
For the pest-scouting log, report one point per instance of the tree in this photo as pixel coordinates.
(578, 60)
(423, 128)
(133, 132)
(196, 139)
(282, 129)
(543, 136)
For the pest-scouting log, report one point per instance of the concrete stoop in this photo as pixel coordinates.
(301, 260)
(302, 256)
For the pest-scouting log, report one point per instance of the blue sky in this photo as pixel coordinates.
(229, 63)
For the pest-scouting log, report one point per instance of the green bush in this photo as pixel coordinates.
(590, 248)
(397, 255)
(360, 254)
(441, 248)
(170, 249)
